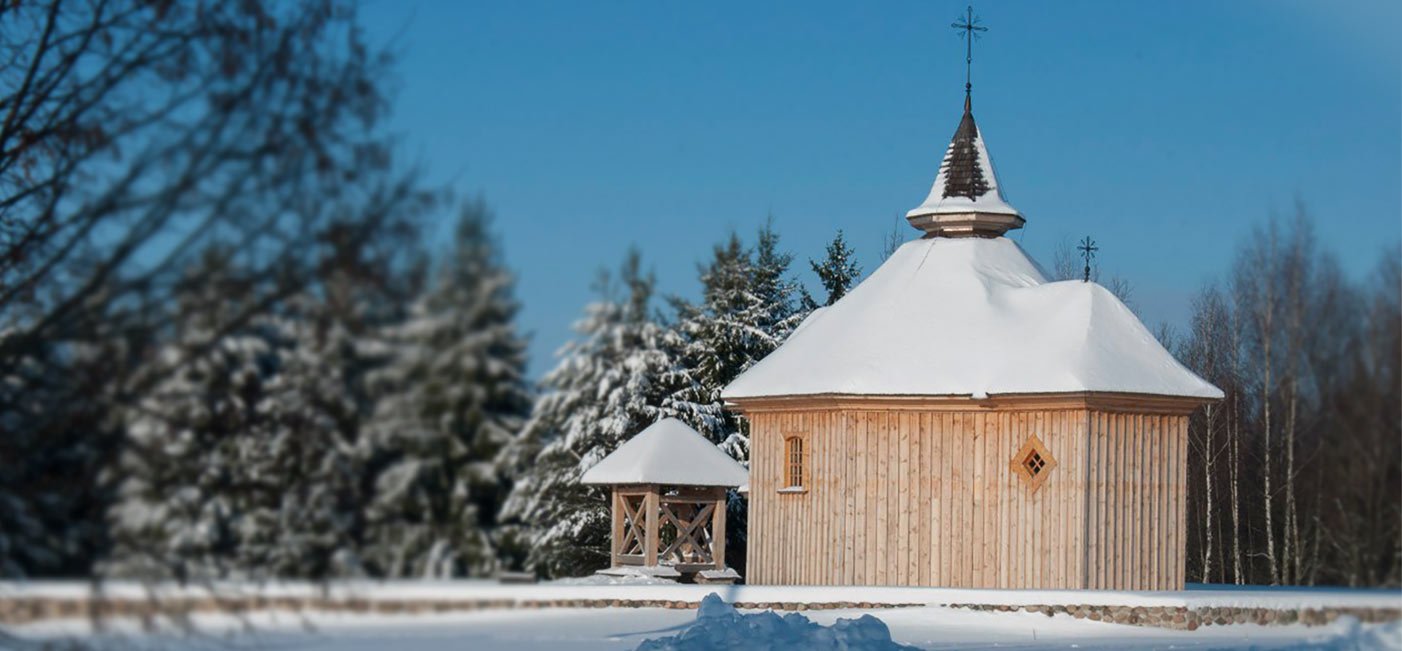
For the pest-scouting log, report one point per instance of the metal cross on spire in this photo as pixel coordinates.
(968, 30)
(1087, 249)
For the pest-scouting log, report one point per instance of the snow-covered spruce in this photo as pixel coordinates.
(838, 273)
(236, 465)
(747, 310)
(450, 398)
(719, 626)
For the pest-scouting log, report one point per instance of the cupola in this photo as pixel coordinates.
(966, 200)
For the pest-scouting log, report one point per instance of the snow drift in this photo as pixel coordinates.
(719, 626)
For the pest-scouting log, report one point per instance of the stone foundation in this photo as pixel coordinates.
(1191, 618)
(22, 610)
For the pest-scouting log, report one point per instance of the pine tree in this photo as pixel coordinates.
(777, 293)
(718, 336)
(838, 273)
(149, 134)
(747, 310)
(616, 379)
(244, 459)
(306, 522)
(452, 396)
(235, 465)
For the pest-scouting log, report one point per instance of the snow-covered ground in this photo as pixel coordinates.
(625, 628)
(926, 627)
(630, 588)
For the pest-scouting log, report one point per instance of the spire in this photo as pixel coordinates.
(965, 200)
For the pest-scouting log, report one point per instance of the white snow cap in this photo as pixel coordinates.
(668, 452)
(969, 317)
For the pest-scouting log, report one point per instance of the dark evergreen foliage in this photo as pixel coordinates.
(838, 273)
(138, 137)
(450, 398)
(235, 463)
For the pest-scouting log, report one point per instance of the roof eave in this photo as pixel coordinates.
(1095, 400)
(964, 223)
(666, 482)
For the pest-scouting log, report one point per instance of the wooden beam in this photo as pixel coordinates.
(634, 533)
(718, 530)
(689, 531)
(616, 539)
(650, 544)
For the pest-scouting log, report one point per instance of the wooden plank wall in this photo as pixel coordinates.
(1138, 501)
(906, 497)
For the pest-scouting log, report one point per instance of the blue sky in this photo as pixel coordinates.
(1165, 130)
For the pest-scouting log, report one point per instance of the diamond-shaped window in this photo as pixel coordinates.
(1033, 463)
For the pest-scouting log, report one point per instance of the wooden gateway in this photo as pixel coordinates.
(959, 420)
(669, 487)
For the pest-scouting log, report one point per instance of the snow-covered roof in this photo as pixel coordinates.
(967, 317)
(668, 452)
(966, 181)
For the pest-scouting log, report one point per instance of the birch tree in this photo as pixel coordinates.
(1309, 365)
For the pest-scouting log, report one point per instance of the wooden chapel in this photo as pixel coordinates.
(959, 419)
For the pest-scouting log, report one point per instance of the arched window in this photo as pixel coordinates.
(793, 462)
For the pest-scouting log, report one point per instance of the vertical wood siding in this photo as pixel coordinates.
(1138, 497)
(908, 497)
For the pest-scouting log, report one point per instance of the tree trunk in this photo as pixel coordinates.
(1295, 283)
(1235, 457)
(1266, 322)
(1291, 540)
(1207, 497)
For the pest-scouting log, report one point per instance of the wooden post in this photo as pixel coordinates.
(718, 530)
(652, 504)
(616, 547)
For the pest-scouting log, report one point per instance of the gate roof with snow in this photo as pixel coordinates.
(668, 486)
(669, 453)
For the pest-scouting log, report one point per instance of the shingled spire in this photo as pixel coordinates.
(963, 175)
(965, 200)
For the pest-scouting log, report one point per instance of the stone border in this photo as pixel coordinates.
(24, 610)
(1187, 618)
(15, 611)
